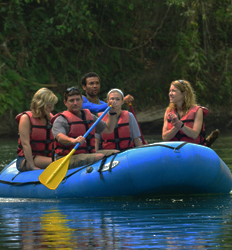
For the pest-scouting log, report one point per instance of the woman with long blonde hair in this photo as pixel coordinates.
(183, 119)
(36, 141)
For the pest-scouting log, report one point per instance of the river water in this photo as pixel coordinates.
(192, 222)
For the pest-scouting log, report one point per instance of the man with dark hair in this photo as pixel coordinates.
(91, 84)
(69, 127)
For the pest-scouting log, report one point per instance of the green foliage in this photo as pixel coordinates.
(139, 46)
(14, 93)
(203, 46)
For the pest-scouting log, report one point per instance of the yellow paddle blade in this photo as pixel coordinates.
(55, 173)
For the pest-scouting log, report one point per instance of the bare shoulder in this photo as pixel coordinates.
(24, 124)
(24, 119)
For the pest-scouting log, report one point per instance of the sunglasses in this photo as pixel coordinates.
(70, 89)
(181, 81)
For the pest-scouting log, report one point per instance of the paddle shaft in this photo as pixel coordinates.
(133, 112)
(93, 126)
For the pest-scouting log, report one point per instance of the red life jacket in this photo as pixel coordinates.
(41, 137)
(120, 139)
(188, 120)
(77, 127)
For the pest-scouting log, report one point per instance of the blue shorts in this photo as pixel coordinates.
(19, 161)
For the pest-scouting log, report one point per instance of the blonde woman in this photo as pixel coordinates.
(35, 136)
(183, 119)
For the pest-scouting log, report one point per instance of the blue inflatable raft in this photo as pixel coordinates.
(166, 168)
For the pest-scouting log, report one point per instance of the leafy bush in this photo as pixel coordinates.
(139, 46)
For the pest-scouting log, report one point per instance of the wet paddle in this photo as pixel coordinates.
(56, 171)
(133, 112)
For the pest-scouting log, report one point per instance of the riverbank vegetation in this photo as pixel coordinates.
(139, 46)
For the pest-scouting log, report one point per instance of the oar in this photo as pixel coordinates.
(56, 171)
(133, 112)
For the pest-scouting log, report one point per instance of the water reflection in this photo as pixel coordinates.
(55, 230)
(201, 222)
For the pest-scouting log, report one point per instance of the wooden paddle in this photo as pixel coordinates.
(56, 171)
(133, 112)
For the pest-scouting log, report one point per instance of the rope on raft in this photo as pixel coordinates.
(99, 170)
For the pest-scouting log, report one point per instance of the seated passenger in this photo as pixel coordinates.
(35, 135)
(126, 133)
(70, 125)
(183, 119)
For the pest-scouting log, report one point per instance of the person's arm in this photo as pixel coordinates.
(167, 135)
(134, 130)
(97, 141)
(108, 126)
(60, 129)
(197, 125)
(111, 120)
(177, 125)
(24, 133)
(137, 142)
(66, 140)
(128, 99)
(94, 108)
(97, 144)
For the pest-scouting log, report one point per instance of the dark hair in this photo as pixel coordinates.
(88, 75)
(71, 91)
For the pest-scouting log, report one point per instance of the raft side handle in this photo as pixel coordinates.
(64, 180)
(177, 149)
(109, 166)
(111, 163)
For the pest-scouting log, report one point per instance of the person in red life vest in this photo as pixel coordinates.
(36, 140)
(70, 126)
(126, 133)
(183, 119)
